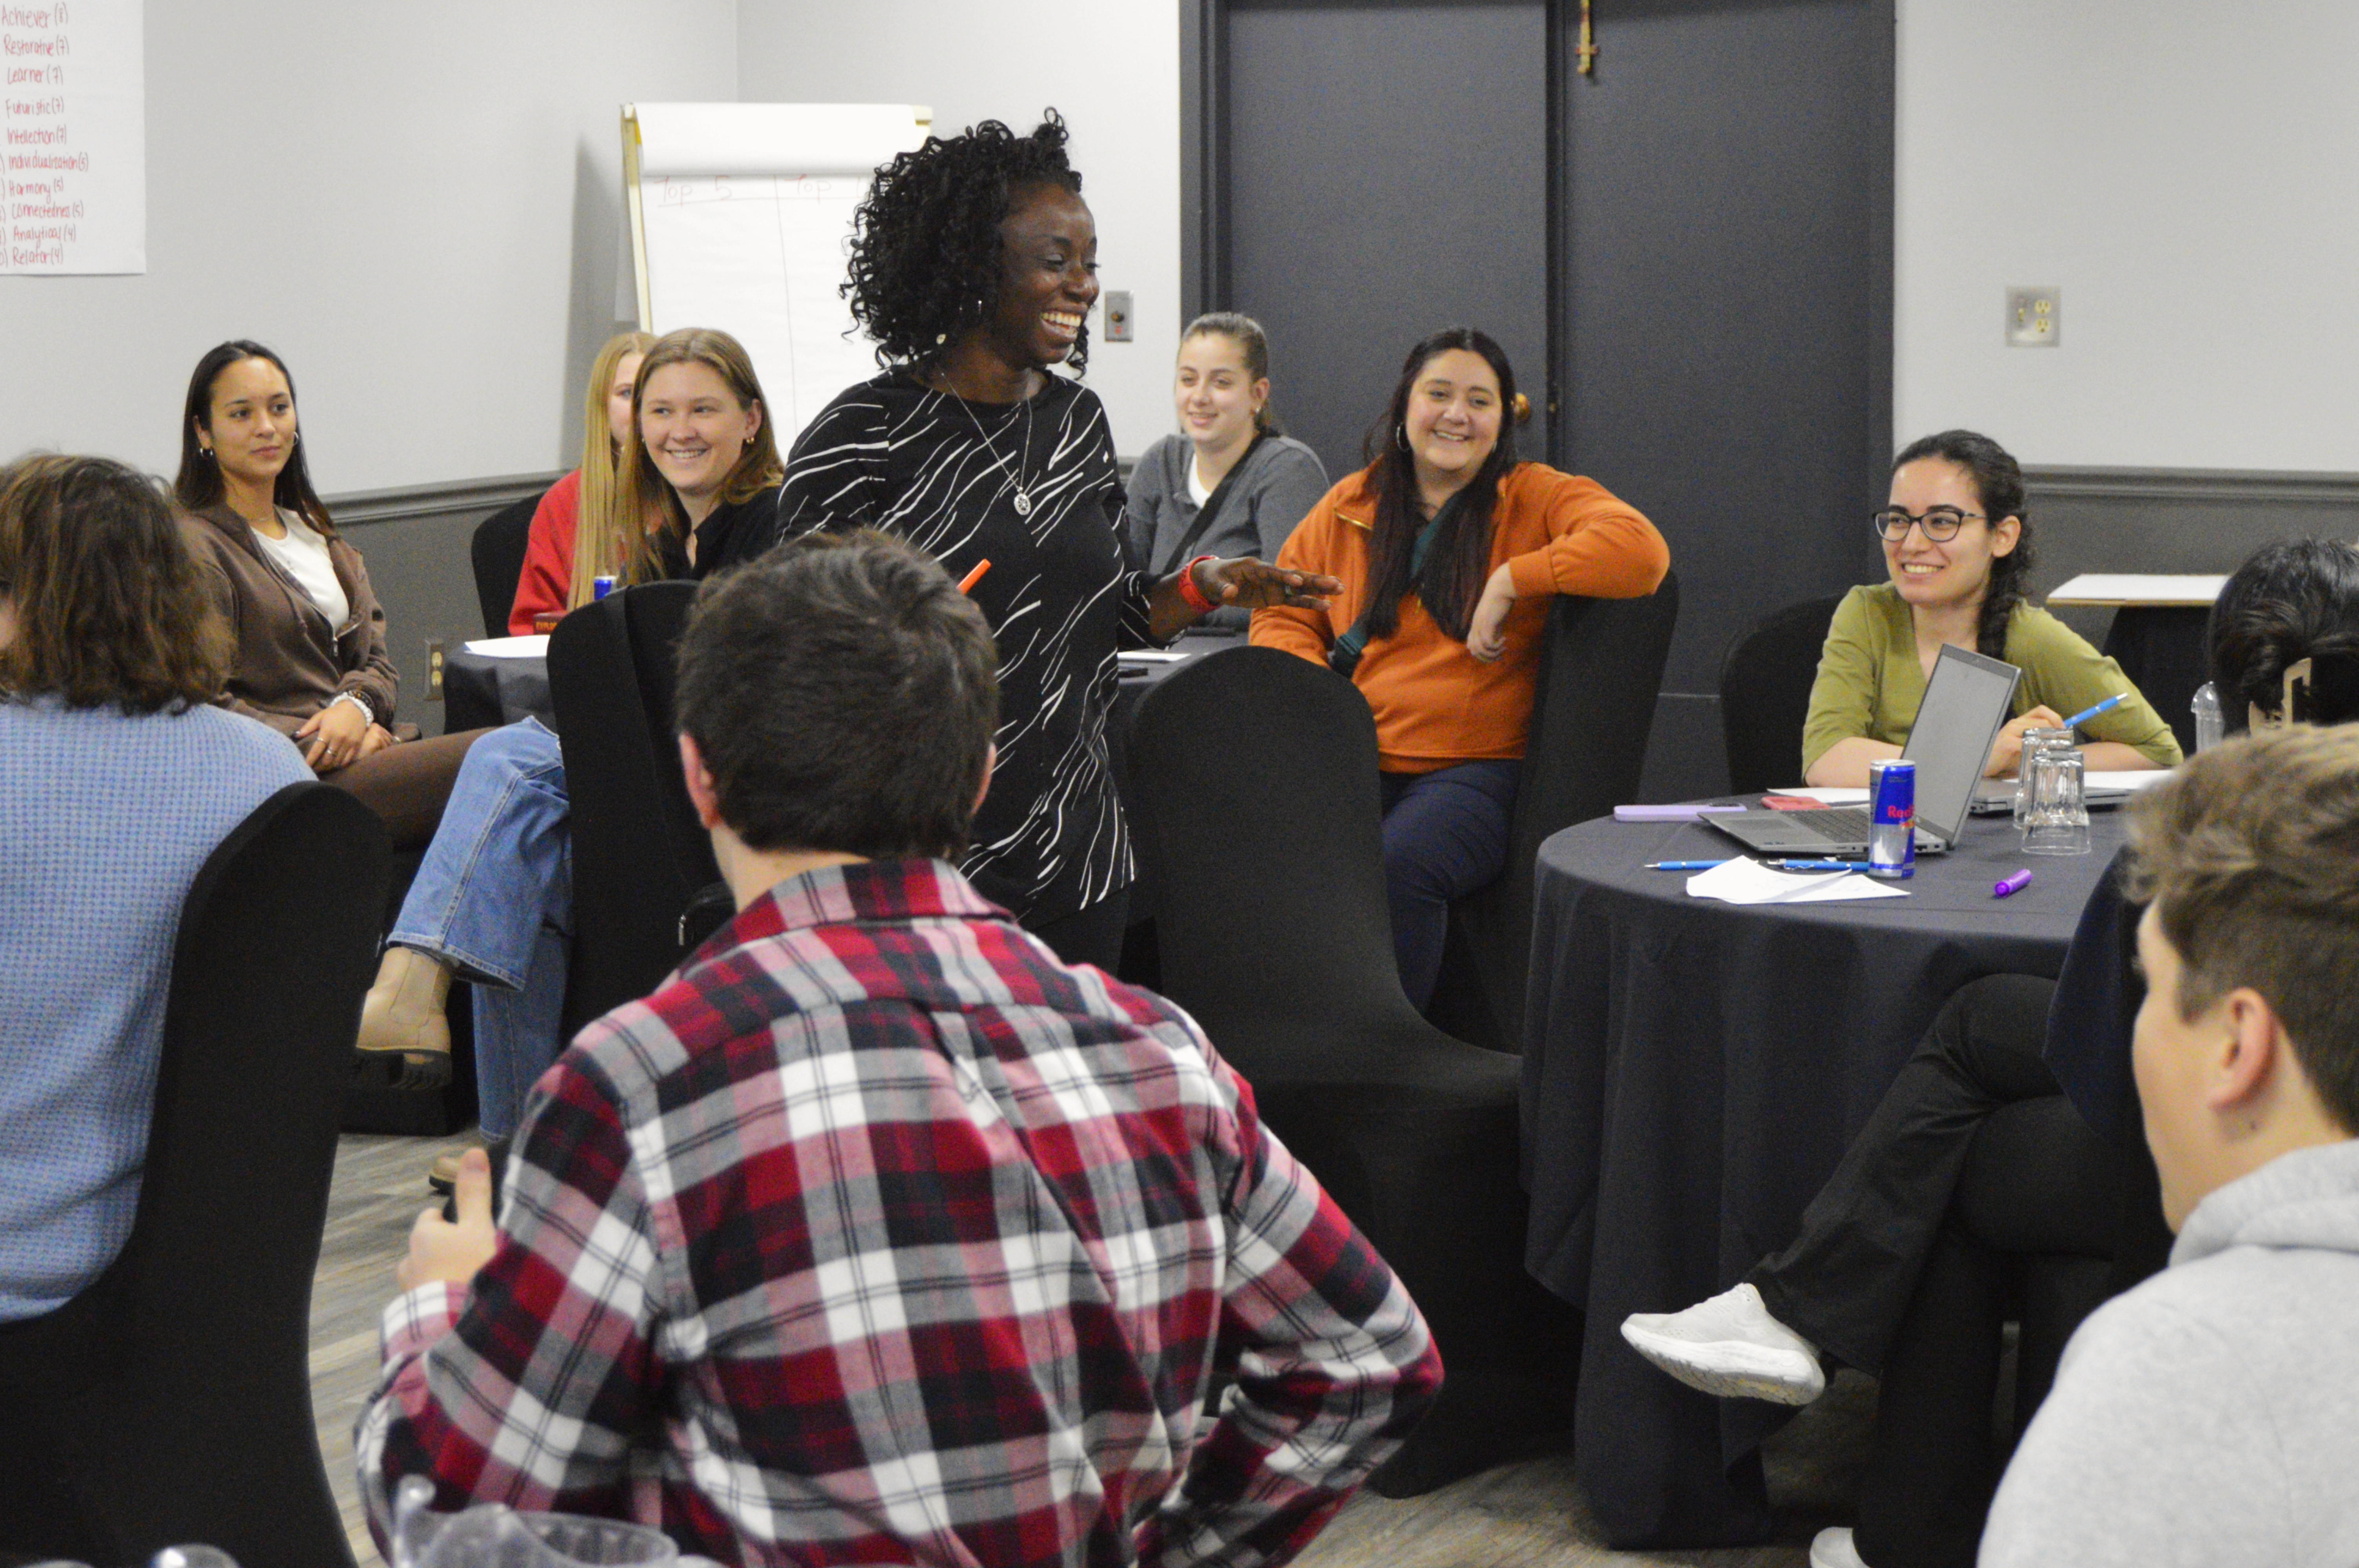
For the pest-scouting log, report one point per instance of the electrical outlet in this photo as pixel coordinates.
(1117, 316)
(2034, 317)
(434, 669)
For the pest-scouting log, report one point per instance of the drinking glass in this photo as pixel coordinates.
(492, 1535)
(2034, 742)
(2056, 817)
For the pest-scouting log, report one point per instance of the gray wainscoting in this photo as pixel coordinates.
(2174, 520)
(415, 540)
(2085, 520)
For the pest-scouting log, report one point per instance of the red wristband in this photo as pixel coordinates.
(1189, 594)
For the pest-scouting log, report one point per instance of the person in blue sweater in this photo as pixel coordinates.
(118, 779)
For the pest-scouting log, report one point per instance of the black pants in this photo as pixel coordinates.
(1092, 934)
(1976, 1192)
(1847, 1281)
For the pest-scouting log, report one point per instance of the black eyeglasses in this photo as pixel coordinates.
(1941, 523)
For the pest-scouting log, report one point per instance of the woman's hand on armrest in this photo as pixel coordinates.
(1843, 765)
(1486, 628)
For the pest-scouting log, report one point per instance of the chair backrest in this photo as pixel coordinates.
(1765, 694)
(639, 855)
(1256, 776)
(497, 553)
(207, 1427)
(1600, 675)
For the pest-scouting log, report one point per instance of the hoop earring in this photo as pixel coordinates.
(205, 454)
(1400, 436)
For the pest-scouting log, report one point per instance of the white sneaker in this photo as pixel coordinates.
(1730, 1347)
(1832, 1548)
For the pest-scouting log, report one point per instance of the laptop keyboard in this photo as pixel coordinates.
(1840, 823)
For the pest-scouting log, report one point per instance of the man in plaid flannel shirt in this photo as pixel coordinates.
(877, 1235)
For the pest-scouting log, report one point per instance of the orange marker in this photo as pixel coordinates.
(968, 582)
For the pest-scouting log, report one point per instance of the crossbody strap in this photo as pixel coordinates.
(1213, 504)
(1343, 658)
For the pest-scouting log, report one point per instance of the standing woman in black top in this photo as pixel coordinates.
(973, 267)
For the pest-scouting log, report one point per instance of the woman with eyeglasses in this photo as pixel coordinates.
(1958, 548)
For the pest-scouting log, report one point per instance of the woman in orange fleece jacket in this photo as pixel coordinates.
(1448, 549)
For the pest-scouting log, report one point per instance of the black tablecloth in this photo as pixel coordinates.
(1692, 1072)
(2162, 648)
(480, 691)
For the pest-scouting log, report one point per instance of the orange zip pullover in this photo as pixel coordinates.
(1435, 703)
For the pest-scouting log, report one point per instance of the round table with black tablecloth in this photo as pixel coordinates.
(1692, 1072)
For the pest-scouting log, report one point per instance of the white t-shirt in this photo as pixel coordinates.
(303, 556)
(1196, 490)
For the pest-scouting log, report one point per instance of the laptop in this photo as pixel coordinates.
(1965, 704)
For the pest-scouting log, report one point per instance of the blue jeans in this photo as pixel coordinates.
(1445, 835)
(494, 901)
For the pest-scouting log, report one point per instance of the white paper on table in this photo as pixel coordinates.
(1150, 657)
(2143, 778)
(1828, 796)
(2138, 588)
(536, 647)
(1750, 881)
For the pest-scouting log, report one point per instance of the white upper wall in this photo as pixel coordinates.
(1109, 67)
(417, 206)
(2184, 172)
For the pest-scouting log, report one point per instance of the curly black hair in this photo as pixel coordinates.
(926, 258)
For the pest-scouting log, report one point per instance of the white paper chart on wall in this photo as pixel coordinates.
(741, 214)
(73, 142)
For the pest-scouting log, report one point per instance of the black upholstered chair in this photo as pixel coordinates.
(1255, 774)
(1601, 672)
(171, 1403)
(640, 858)
(1765, 694)
(498, 554)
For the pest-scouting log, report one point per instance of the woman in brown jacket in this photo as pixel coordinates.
(308, 635)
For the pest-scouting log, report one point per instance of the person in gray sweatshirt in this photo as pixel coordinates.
(2211, 1415)
(1228, 446)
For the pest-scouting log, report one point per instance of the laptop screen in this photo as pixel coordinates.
(1966, 704)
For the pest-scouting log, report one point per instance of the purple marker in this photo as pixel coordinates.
(2016, 884)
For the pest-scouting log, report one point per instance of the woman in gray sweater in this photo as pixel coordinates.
(1228, 438)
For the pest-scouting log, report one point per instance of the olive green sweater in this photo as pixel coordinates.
(1870, 682)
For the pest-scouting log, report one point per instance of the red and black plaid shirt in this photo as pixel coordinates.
(879, 1236)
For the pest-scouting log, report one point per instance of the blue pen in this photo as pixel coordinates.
(1683, 865)
(2088, 713)
(1817, 865)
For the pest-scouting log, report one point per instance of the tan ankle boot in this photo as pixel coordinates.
(403, 1017)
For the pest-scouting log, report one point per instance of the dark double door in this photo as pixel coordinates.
(1686, 256)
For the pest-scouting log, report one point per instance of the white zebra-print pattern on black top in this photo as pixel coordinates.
(943, 473)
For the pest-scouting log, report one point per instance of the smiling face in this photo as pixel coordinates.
(1955, 572)
(695, 430)
(251, 428)
(1452, 418)
(1215, 391)
(1049, 256)
(618, 397)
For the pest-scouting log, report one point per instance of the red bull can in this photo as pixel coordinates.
(1892, 819)
(602, 585)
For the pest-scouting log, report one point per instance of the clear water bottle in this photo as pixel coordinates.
(2209, 723)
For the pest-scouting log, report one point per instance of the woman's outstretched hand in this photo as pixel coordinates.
(1251, 584)
(1487, 630)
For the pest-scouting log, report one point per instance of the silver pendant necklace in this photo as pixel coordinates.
(1016, 474)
